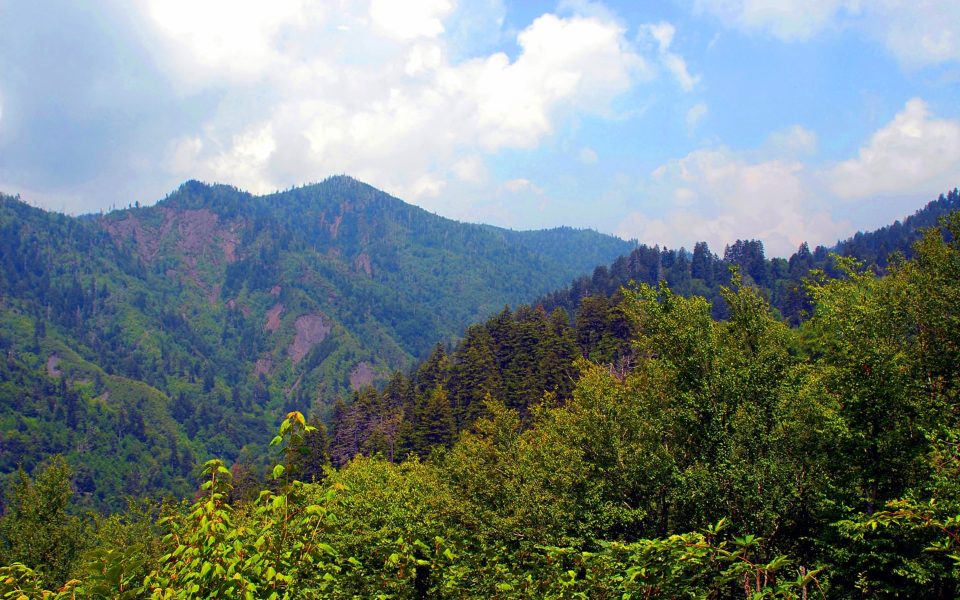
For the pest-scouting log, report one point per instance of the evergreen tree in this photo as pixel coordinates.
(434, 423)
(307, 458)
(474, 375)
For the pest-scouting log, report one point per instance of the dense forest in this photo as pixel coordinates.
(520, 354)
(142, 342)
(721, 458)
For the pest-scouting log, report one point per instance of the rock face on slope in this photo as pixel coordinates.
(310, 330)
(183, 329)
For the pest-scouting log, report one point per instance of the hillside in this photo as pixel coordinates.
(735, 458)
(232, 308)
(518, 356)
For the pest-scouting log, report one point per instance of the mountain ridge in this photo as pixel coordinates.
(237, 308)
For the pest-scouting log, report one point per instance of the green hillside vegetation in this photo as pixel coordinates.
(136, 348)
(141, 341)
(701, 272)
(521, 354)
(726, 458)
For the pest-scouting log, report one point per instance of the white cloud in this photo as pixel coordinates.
(573, 63)
(425, 186)
(916, 33)
(696, 114)
(411, 18)
(663, 34)
(588, 156)
(915, 153)
(718, 197)
(215, 40)
(395, 110)
(684, 196)
(470, 169)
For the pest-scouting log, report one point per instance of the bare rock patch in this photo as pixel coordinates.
(311, 330)
(273, 318)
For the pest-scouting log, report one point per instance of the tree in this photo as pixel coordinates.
(701, 265)
(748, 255)
(473, 375)
(37, 527)
(434, 424)
(308, 456)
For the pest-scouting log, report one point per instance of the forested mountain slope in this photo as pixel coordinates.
(734, 458)
(182, 329)
(517, 356)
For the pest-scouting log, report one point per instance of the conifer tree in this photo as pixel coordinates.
(435, 425)
(473, 376)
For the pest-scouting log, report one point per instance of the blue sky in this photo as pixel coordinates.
(669, 122)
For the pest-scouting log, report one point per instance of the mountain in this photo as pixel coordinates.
(517, 356)
(141, 341)
(725, 459)
(166, 333)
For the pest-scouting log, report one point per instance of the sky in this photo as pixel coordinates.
(669, 122)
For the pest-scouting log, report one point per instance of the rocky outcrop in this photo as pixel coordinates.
(273, 318)
(310, 329)
(362, 375)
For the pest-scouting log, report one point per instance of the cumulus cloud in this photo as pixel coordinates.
(916, 33)
(417, 97)
(717, 196)
(406, 120)
(411, 18)
(770, 193)
(210, 42)
(914, 153)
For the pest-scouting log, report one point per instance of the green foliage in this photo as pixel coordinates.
(37, 529)
(191, 309)
(693, 457)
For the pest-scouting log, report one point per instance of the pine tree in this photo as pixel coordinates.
(307, 458)
(558, 350)
(433, 371)
(435, 425)
(473, 375)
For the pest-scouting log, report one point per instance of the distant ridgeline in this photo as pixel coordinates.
(702, 273)
(517, 356)
(138, 342)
